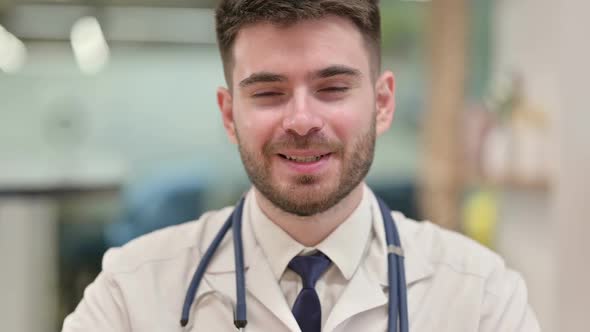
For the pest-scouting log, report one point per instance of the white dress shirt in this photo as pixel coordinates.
(345, 247)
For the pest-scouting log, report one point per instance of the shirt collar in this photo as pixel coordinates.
(279, 248)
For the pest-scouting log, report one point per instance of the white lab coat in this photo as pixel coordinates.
(454, 285)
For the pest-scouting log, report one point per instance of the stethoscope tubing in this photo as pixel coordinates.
(198, 276)
(395, 270)
(240, 319)
(396, 274)
(393, 305)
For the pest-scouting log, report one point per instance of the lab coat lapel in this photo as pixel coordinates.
(203, 290)
(260, 282)
(264, 296)
(361, 294)
(262, 285)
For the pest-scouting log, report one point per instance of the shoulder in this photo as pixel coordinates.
(454, 252)
(167, 244)
(475, 276)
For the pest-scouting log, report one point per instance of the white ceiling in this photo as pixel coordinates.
(131, 3)
(119, 23)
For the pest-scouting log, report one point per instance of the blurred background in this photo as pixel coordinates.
(109, 129)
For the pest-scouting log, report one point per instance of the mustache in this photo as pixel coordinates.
(297, 142)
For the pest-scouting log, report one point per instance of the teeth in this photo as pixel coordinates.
(304, 159)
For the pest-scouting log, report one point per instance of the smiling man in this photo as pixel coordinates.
(305, 102)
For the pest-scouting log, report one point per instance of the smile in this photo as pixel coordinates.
(303, 159)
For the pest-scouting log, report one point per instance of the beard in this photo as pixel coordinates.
(307, 195)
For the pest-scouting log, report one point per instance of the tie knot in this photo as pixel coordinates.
(310, 268)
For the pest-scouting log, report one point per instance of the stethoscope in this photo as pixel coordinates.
(398, 303)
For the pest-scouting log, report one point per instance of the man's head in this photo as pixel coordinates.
(233, 15)
(306, 100)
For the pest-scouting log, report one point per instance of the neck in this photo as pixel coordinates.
(310, 231)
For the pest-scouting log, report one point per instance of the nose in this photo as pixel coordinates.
(300, 117)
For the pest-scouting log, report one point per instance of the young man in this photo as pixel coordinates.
(305, 102)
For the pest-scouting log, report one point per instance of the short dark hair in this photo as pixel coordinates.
(233, 15)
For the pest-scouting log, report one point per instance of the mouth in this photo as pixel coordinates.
(305, 163)
(304, 159)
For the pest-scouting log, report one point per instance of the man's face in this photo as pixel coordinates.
(305, 111)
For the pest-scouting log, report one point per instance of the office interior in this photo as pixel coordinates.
(109, 130)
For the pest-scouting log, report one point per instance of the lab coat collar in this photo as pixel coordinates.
(364, 291)
(262, 285)
(417, 265)
(223, 259)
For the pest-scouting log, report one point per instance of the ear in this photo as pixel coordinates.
(225, 103)
(385, 101)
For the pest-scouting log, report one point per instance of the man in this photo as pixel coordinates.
(305, 102)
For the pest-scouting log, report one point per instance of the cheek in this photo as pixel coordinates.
(352, 121)
(255, 128)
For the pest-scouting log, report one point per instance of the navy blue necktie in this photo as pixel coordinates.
(307, 309)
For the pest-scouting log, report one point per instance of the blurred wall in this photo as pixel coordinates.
(150, 105)
(525, 38)
(546, 42)
(573, 189)
(153, 104)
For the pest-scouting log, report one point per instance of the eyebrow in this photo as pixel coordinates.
(262, 77)
(336, 70)
(331, 71)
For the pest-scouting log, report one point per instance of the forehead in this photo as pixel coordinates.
(299, 48)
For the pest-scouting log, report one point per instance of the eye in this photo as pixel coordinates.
(264, 94)
(334, 89)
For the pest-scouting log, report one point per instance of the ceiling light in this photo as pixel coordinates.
(89, 45)
(13, 52)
